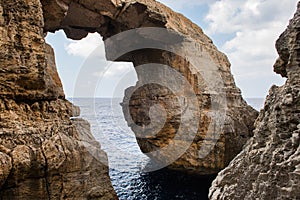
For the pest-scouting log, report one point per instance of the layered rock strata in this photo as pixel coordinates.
(210, 148)
(43, 153)
(269, 165)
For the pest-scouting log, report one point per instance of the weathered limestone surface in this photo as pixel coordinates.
(25, 72)
(269, 165)
(43, 154)
(78, 18)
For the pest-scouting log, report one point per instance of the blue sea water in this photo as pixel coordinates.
(126, 162)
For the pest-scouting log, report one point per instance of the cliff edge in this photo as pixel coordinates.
(43, 153)
(269, 165)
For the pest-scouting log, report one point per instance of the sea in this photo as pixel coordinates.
(127, 162)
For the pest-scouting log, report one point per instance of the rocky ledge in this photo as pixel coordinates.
(269, 165)
(45, 155)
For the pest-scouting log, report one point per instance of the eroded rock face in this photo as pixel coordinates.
(78, 18)
(25, 72)
(43, 154)
(269, 166)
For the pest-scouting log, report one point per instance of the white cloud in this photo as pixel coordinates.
(92, 49)
(116, 79)
(180, 4)
(255, 26)
(227, 16)
(85, 47)
(118, 69)
(97, 76)
(110, 70)
(252, 45)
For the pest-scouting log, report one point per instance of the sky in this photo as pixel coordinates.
(245, 30)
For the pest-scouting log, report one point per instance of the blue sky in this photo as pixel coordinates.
(245, 30)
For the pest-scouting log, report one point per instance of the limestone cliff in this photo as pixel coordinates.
(112, 17)
(43, 153)
(269, 165)
(108, 18)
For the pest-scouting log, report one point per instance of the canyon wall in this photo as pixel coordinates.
(269, 165)
(43, 153)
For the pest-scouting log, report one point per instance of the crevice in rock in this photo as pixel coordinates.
(4, 185)
(122, 9)
(47, 184)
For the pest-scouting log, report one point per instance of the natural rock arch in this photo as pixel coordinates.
(108, 18)
(35, 116)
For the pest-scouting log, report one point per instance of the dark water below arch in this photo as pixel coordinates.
(126, 160)
(165, 184)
